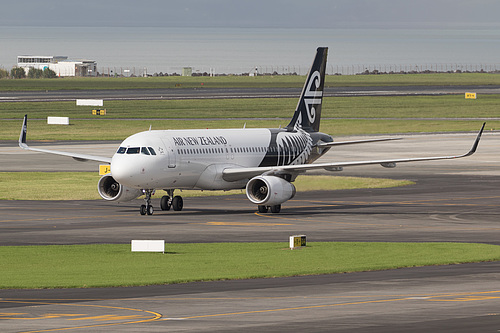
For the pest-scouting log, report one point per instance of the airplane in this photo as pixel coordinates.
(264, 162)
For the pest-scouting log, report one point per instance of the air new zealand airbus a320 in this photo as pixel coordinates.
(263, 161)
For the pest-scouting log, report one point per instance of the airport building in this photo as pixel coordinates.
(59, 64)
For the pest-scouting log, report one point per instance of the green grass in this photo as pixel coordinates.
(362, 115)
(49, 185)
(439, 79)
(447, 106)
(112, 130)
(104, 265)
(83, 185)
(173, 82)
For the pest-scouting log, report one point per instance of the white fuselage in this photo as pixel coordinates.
(195, 159)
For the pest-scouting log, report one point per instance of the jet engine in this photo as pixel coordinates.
(110, 189)
(269, 190)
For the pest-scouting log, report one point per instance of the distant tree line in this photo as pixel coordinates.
(46, 73)
(20, 73)
(3, 73)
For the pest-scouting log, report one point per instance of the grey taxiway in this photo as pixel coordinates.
(451, 201)
(211, 93)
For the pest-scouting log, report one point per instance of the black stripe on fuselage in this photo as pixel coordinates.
(284, 148)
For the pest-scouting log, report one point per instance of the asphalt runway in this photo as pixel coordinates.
(452, 200)
(211, 93)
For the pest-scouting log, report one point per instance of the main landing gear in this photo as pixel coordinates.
(170, 200)
(166, 202)
(264, 209)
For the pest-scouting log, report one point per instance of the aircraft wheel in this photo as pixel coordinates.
(164, 203)
(275, 209)
(143, 210)
(262, 208)
(177, 203)
(150, 209)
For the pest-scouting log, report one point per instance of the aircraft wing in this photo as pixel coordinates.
(76, 156)
(234, 174)
(341, 143)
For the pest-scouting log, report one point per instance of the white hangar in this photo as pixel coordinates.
(59, 64)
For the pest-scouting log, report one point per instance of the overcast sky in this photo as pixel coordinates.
(253, 13)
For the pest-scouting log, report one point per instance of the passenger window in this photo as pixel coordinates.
(145, 151)
(134, 150)
(121, 150)
(152, 151)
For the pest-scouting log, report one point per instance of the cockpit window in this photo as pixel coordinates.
(133, 150)
(136, 150)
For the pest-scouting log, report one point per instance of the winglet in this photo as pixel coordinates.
(476, 143)
(24, 130)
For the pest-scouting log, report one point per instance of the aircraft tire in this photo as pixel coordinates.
(177, 203)
(262, 208)
(275, 209)
(150, 209)
(164, 203)
(143, 210)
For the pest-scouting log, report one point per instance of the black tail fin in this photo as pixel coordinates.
(308, 112)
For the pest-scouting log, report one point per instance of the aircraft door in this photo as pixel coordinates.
(170, 153)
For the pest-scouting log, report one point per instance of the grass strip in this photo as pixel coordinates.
(354, 116)
(83, 185)
(445, 106)
(119, 130)
(105, 265)
(233, 81)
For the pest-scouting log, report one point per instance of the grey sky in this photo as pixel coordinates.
(253, 13)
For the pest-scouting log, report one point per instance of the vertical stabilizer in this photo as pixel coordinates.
(308, 112)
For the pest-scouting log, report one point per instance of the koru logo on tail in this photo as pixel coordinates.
(312, 96)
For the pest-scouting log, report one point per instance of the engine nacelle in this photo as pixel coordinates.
(110, 189)
(269, 190)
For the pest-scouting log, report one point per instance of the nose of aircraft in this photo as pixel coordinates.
(122, 170)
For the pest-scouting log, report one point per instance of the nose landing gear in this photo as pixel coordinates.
(148, 207)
